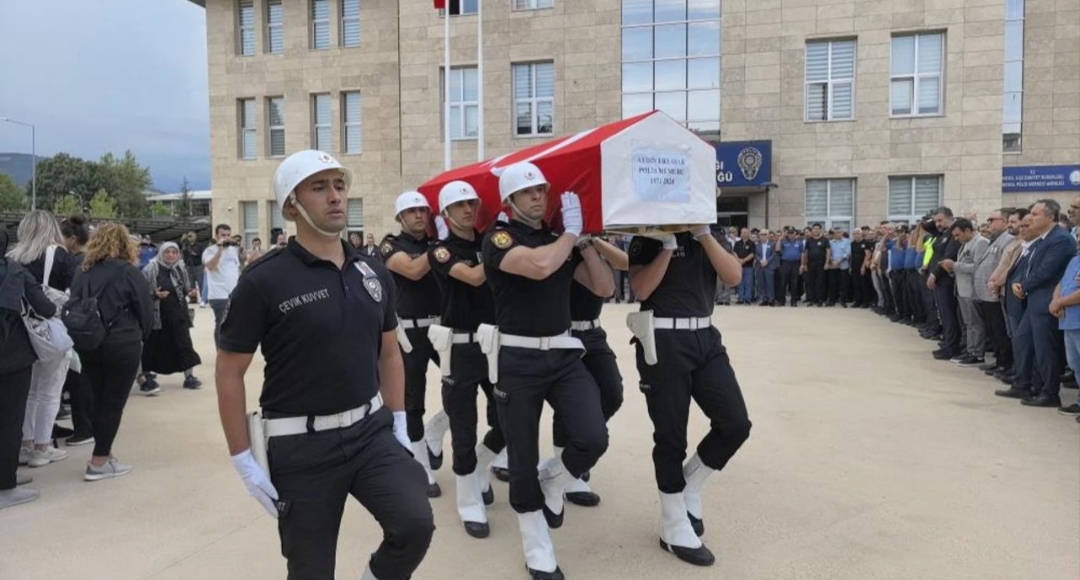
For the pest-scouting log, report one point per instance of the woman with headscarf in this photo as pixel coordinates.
(169, 349)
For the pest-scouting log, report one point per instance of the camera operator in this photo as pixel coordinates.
(222, 263)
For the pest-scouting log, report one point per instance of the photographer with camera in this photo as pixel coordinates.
(222, 263)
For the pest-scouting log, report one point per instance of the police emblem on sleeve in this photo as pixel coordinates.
(386, 248)
(371, 281)
(442, 254)
(502, 239)
(635, 247)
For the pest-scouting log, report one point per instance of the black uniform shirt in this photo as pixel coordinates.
(858, 254)
(524, 306)
(416, 298)
(744, 248)
(689, 284)
(320, 328)
(464, 306)
(815, 250)
(584, 305)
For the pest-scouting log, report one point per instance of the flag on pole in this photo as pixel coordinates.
(440, 4)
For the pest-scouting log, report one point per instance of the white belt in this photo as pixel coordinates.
(682, 323)
(419, 322)
(561, 341)
(464, 338)
(296, 425)
(583, 325)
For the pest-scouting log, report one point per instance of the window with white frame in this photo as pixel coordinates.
(354, 214)
(246, 121)
(350, 122)
(830, 202)
(460, 7)
(671, 61)
(464, 104)
(912, 197)
(249, 218)
(350, 23)
(1012, 115)
(320, 122)
(830, 80)
(533, 4)
(917, 75)
(534, 98)
(320, 24)
(275, 126)
(275, 34)
(245, 27)
(276, 221)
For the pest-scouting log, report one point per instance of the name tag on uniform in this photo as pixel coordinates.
(371, 281)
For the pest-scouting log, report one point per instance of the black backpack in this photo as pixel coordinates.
(82, 317)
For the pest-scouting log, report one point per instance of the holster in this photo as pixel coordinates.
(442, 340)
(403, 338)
(488, 337)
(641, 326)
(257, 437)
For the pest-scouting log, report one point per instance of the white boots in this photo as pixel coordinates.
(470, 504)
(695, 472)
(484, 458)
(553, 481)
(677, 535)
(420, 453)
(578, 491)
(539, 551)
(500, 467)
(434, 432)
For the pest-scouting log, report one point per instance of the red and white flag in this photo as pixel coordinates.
(440, 4)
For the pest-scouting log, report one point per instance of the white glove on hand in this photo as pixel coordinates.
(584, 240)
(441, 231)
(699, 231)
(401, 430)
(257, 481)
(571, 213)
(670, 242)
(502, 217)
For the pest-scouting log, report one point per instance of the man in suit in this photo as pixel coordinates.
(943, 284)
(972, 253)
(986, 300)
(1049, 256)
(1013, 262)
(768, 262)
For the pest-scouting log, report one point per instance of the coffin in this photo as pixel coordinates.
(632, 175)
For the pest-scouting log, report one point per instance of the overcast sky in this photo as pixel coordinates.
(108, 75)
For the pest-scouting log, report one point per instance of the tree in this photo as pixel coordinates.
(12, 197)
(102, 206)
(62, 175)
(127, 182)
(183, 210)
(159, 209)
(66, 205)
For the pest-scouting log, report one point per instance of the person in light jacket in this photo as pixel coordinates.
(972, 252)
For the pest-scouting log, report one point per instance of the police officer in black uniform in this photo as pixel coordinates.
(533, 356)
(816, 254)
(418, 306)
(675, 277)
(333, 420)
(467, 303)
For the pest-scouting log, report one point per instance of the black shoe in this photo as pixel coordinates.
(696, 556)
(501, 473)
(77, 440)
(1042, 401)
(764, 303)
(843, 304)
(477, 529)
(434, 490)
(1073, 409)
(489, 496)
(794, 305)
(583, 498)
(59, 432)
(943, 354)
(434, 461)
(970, 361)
(149, 387)
(1013, 393)
(192, 383)
(554, 520)
(64, 413)
(696, 523)
(538, 575)
(989, 367)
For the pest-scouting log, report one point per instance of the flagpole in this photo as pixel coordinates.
(446, 91)
(480, 79)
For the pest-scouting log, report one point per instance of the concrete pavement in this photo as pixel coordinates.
(867, 460)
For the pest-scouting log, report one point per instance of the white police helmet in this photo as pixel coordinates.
(410, 200)
(517, 177)
(454, 192)
(300, 166)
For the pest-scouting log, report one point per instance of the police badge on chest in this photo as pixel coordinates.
(371, 281)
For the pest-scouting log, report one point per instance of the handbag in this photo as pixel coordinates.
(48, 336)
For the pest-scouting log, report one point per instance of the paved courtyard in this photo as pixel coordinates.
(867, 460)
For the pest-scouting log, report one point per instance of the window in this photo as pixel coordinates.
(275, 125)
(350, 23)
(464, 107)
(249, 216)
(276, 221)
(245, 27)
(533, 4)
(320, 122)
(830, 202)
(275, 35)
(671, 61)
(246, 117)
(830, 80)
(1012, 115)
(534, 93)
(350, 122)
(910, 198)
(320, 24)
(460, 7)
(917, 70)
(354, 214)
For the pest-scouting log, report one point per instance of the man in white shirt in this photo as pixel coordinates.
(222, 263)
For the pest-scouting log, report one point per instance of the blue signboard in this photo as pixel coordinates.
(743, 163)
(1039, 178)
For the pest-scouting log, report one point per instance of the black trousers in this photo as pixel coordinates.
(933, 319)
(949, 311)
(600, 362)
(857, 295)
(789, 281)
(996, 333)
(869, 292)
(219, 307)
(915, 289)
(468, 370)
(1049, 352)
(691, 365)
(82, 403)
(527, 378)
(315, 472)
(111, 370)
(815, 283)
(416, 366)
(839, 285)
(14, 389)
(898, 286)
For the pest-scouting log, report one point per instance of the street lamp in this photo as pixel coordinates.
(33, 159)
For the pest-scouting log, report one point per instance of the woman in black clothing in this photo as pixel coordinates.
(109, 272)
(16, 285)
(76, 232)
(169, 349)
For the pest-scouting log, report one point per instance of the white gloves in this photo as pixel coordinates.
(584, 240)
(699, 231)
(401, 430)
(442, 232)
(502, 217)
(571, 213)
(257, 481)
(670, 242)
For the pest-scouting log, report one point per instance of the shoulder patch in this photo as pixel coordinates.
(502, 239)
(386, 248)
(442, 254)
(635, 247)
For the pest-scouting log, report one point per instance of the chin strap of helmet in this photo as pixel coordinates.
(307, 218)
(453, 222)
(521, 216)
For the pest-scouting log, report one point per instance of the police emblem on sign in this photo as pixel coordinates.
(386, 248)
(749, 161)
(502, 239)
(442, 254)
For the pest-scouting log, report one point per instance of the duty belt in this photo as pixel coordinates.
(419, 322)
(560, 341)
(464, 338)
(582, 325)
(297, 425)
(682, 323)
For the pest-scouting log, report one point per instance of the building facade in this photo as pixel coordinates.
(871, 109)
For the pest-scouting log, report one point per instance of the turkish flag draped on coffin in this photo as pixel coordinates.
(645, 171)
